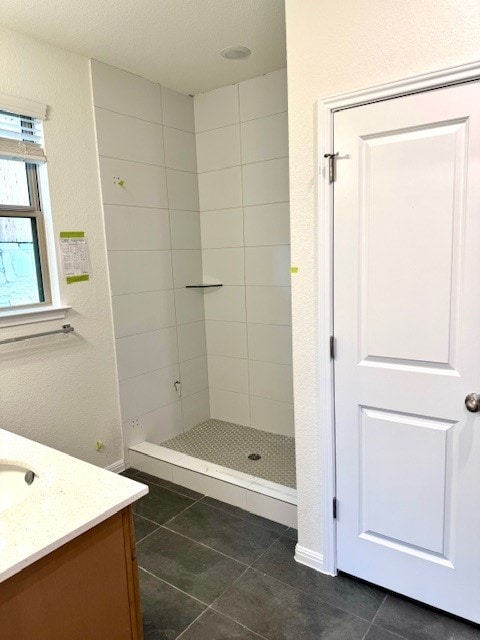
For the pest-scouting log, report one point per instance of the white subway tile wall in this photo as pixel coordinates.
(177, 110)
(263, 96)
(196, 190)
(242, 162)
(136, 228)
(222, 228)
(126, 93)
(216, 109)
(148, 165)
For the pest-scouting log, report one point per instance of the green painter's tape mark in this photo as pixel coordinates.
(293, 269)
(72, 234)
(84, 278)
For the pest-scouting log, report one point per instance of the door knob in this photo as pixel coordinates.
(472, 402)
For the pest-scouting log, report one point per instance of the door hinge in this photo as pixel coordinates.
(332, 347)
(334, 508)
(332, 166)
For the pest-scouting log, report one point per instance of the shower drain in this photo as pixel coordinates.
(254, 456)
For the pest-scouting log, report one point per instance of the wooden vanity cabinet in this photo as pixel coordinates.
(85, 590)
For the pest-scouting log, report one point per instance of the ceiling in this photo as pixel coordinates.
(173, 42)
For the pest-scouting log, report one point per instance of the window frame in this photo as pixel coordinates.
(35, 212)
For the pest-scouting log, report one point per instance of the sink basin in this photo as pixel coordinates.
(13, 487)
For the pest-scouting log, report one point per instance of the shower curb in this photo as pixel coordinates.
(260, 497)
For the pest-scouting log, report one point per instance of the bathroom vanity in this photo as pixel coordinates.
(67, 547)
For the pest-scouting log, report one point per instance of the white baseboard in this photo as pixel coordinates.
(309, 558)
(116, 467)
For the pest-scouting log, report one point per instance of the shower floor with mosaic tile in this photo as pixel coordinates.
(229, 445)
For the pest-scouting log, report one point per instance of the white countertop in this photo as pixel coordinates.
(68, 497)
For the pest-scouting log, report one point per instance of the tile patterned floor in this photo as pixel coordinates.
(229, 444)
(210, 571)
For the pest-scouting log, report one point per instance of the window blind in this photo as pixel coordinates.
(21, 138)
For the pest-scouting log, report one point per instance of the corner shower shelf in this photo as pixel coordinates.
(203, 286)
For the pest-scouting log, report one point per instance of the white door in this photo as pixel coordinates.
(407, 327)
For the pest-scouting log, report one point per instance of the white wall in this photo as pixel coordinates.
(334, 48)
(145, 137)
(62, 390)
(242, 158)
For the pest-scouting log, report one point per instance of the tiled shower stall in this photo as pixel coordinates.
(195, 191)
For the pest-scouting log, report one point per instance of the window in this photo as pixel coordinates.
(24, 274)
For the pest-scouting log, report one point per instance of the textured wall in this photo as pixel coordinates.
(62, 390)
(332, 48)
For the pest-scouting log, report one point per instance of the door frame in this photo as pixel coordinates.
(326, 107)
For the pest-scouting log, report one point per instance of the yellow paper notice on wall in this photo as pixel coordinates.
(293, 269)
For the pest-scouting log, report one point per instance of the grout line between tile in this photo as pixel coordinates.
(231, 166)
(392, 633)
(191, 624)
(133, 293)
(234, 582)
(141, 250)
(160, 166)
(174, 587)
(159, 526)
(373, 619)
(148, 534)
(227, 248)
(148, 520)
(239, 518)
(179, 393)
(254, 524)
(148, 164)
(157, 208)
(180, 512)
(244, 259)
(157, 484)
(240, 624)
(286, 584)
(146, 373)
(248, 206)
(396, 635)
(202, 544)
(210, 606)
(128, 115)
(240, 121)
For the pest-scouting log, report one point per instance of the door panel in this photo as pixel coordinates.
(405, 461)
(405, 274)
(407, 324)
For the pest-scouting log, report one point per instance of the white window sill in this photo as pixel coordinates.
(29, 316)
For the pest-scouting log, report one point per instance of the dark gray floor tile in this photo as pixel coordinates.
(190, 566)
(416, 622)
(245, 515)
(143, 527)
(166, 484)
(376, 633)
(236, 538)
(213, 626)
(130, 473)
(346, 593)
(292, 534)
(279, 612)
(160, 504)
(166, 611)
